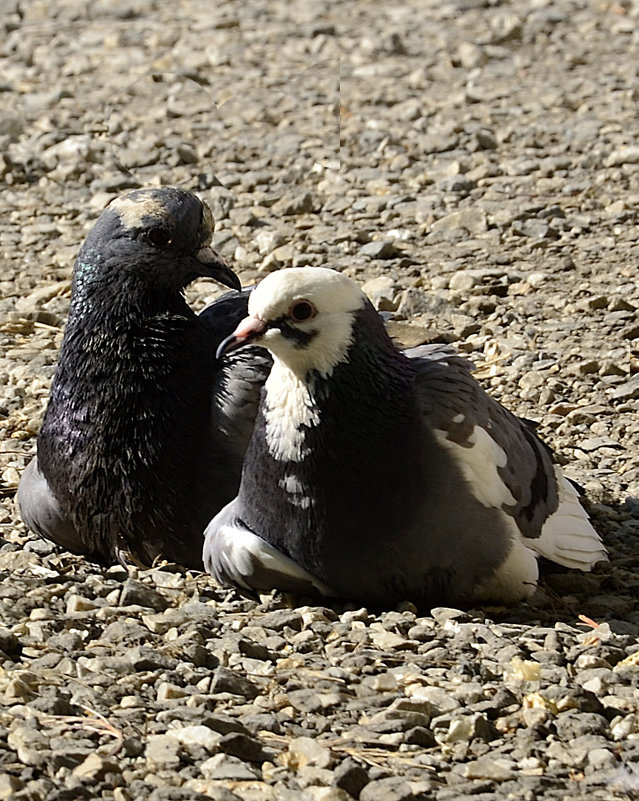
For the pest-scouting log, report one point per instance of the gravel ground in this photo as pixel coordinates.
(476, 164)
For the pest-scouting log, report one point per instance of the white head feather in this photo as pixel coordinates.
(335, 299)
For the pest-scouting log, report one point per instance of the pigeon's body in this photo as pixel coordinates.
(378, 475)
(130, 455)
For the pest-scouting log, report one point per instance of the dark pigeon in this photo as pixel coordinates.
(143, 437)
(378, 475)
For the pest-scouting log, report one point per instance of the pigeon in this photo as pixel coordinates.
(379, 475)
(144, 433)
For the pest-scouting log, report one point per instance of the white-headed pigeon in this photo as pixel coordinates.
(379, 475)
(145, 430)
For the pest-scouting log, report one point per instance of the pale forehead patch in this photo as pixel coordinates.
(208, 222)
(133, 209)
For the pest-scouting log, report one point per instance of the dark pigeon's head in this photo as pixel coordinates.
(304, 316)
(158, 238)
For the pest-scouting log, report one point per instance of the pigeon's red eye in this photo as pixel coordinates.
(159, 237)
(302, 310)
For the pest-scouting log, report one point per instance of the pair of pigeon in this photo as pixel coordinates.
(325, 462)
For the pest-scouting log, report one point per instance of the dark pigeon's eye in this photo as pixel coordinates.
(159, 237)
(302, 310)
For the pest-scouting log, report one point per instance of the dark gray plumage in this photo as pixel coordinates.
(145, 429)
(378, 475)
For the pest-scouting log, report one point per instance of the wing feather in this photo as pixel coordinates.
(506, 465)
(241, 375)
(236, 556)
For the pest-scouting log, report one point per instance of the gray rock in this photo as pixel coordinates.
(190, 613)
(242, 746)
(224, 680)
(350, 776)
(420, 736)
(269, 239)
(162, 752)
(471, 55)
(382, 292)
(144, 658)
(392, 788)
(281, 619)
(571, 724)
(195, 737)
(312, 700)
(461, 184)
(486, 139)
(296, 204)
(135, 593)
(230, 768)
(472, 220)
(629, 390)
(380, 249)
(623, 155)
(490, 767)
(9, 643)
(308, 751)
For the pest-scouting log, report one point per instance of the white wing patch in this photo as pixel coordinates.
(288, 406)
(479, 465)
(567, 536)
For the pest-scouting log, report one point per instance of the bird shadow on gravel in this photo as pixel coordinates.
(609, 594)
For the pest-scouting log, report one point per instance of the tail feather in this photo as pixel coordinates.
(567, 537)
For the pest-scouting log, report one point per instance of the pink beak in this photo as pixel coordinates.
(247, 331)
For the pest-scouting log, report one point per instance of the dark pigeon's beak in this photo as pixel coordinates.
(217, 268)
(247, 331)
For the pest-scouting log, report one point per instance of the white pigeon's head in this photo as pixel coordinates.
(304, 316)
